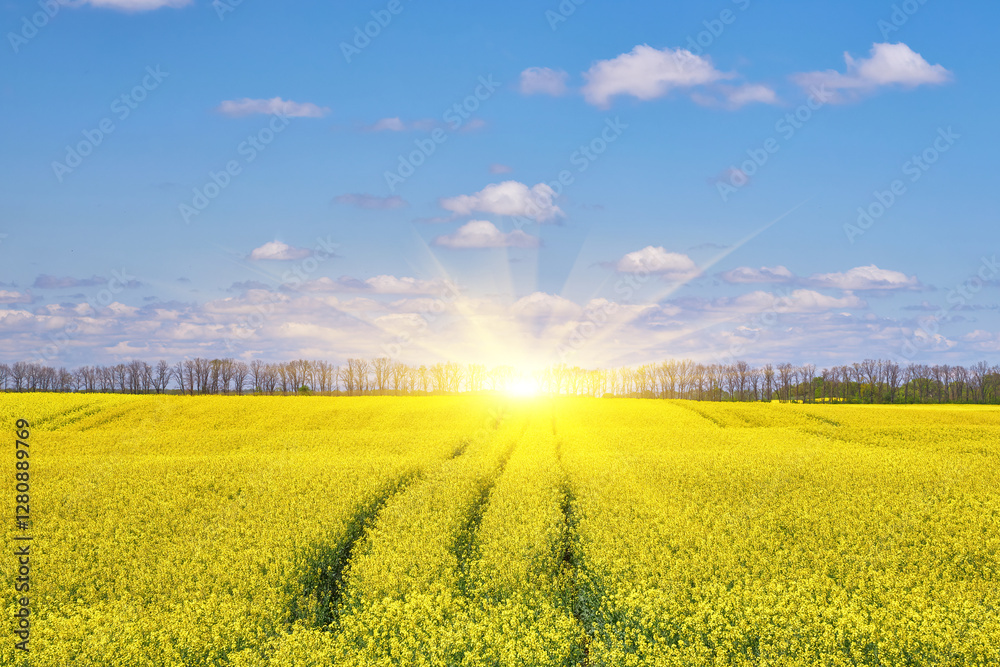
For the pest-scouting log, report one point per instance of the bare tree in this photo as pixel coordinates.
(382, 371)
(241, 371)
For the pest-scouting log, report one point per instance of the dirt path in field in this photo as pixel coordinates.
(325, 589)
(572, 560)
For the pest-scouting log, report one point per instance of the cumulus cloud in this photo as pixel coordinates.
(865, 278)
(647, 73)
(508, 198)
(371, 201)
(278, 251)
(656, 260)
(136, 5)
(887, 65)
(275, 105)
(46, 281)
(765, 274)
(484, 234)
(543, 81)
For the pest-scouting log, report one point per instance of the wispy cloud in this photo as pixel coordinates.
(866, 278)
(397, 124)
(275, 105)
(12, 297)
(46, 281)
(278, 251)
(135, 5)
(765, 274)
(371, 201)
(381, 284)
(543, 81)
(736, 97)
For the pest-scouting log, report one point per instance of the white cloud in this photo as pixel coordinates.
(540, 304)
(397, 124)
(276, 250)
(136, 5)
(10, 297)
(473, 124)
(983, 341)
(647, 73)
(497, 168)
(508, 198)
(750, 93)
(371, 201)
(484, 234)
(765, 274)
(887, 65)
(388, 125)
(866, 278)
(381, 284)
(736, 97)
(799, 301)
(543, 81)
(670, 265)
(275, 105)
(385, 284)
(485, 329)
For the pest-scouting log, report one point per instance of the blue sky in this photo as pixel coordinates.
(666, 238)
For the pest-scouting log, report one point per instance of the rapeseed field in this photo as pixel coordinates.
(173, 531)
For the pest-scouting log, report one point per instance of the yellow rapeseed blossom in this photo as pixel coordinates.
(174, 531)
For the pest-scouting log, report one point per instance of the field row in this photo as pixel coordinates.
(179, 531)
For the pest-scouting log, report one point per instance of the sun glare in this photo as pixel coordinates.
(523, 387)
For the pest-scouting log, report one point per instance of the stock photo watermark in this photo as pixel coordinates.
(30, 25)
(737, 177)
(364, 35)
(454, 117)
(224, 7)
(962, 295)
(248, 150)
(913, 170)
(757, 325)
(118, 283)
(900, 16)
(438, 307)
(121, 108)
(714, 27)
(626, 287)
(582, 158)
(293, 279)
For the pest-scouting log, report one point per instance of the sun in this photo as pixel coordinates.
(523, 387)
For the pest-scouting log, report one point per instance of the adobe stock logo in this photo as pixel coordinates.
(30, 26)
(122, 107)
(914, 169)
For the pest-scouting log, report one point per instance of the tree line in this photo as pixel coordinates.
(869, 381)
